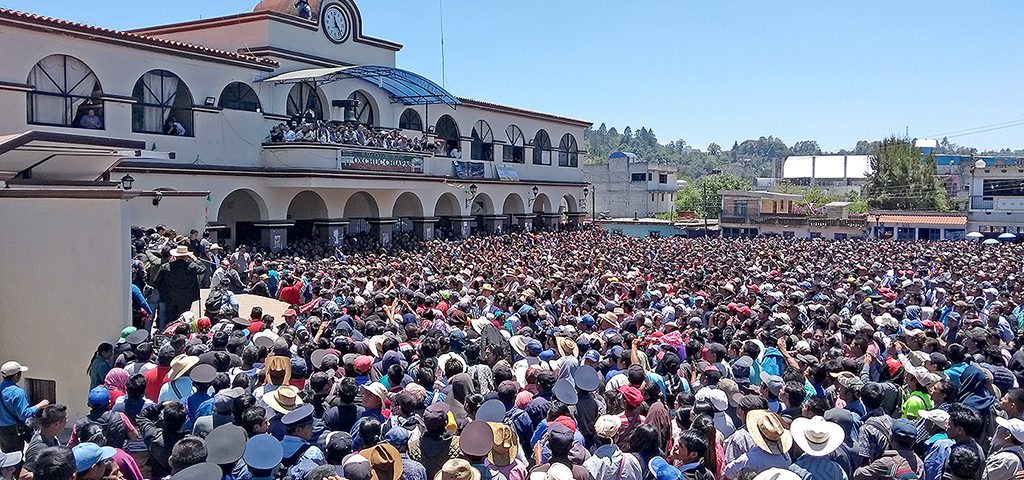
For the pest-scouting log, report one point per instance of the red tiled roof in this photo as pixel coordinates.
(960, 220)
(469, 102)
(129, 36)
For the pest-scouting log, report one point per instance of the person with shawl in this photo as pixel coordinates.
(116, 383)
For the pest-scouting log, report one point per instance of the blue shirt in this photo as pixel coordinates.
(817, 468)
(16, 401)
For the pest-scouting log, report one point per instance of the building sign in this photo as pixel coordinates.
(507, 173)
(468, 170)
(379, 161)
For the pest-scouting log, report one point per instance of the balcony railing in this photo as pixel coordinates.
(979, 202)
(796, 221)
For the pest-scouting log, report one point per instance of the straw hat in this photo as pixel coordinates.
(769, 432)
(385, 461)
(278, 363)
(817, 437)
(284, 399)
(568, 348)
(457, 469)
(181, 251)
(181, 365)
(506, 445)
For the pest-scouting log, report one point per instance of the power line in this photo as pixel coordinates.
(974, 128)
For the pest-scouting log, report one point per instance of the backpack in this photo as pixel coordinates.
(215, 300)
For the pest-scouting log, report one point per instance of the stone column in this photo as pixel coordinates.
(494, 223)
(423, 227)
(331, 231)
(274, 234)
(525, 220)
(380, 229)
(462, 226)
(550, 220)
(575, 219)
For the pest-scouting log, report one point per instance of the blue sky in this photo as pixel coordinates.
(712, 71)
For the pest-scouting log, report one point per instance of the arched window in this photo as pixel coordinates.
(410, 120)
(364, 109)
(66, 91)
(482, 147)
(304, 102)
(515, 150)
(568, 152)
(163, 105)
(447, 130)
(239, 96)
(541, 148)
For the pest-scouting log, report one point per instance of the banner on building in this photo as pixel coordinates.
(468, 170)
(507, 173)
(379, 161)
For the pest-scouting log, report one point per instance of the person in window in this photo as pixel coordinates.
(174, 127)
(90, 120)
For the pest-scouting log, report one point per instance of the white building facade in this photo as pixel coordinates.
(220, 85)
(628, 186)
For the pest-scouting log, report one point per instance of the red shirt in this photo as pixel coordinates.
(292, 295)
(155, 379)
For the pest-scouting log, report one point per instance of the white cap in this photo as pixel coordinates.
(11, 368)
(716, 397)
(1014, 426)
(937, 416)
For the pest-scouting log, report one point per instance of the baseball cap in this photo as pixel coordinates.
(1014, 426)
(89, 454)
(607, 426)
(99, 397)
(904, 429)
(11, 368)
(773, 382)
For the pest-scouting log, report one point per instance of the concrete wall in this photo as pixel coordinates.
(182, 213)
(64, 288)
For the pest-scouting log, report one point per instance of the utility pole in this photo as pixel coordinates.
(705, 203)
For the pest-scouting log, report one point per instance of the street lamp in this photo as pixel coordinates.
(583, 201)
(470, 195)
(126, 181)
(878, 226)
(536, 191)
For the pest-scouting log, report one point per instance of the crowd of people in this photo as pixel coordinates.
(561, 356)
(320, 131)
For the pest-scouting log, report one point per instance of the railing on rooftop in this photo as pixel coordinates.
(979, 202)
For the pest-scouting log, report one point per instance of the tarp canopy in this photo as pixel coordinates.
(402, 86)
(54, 156)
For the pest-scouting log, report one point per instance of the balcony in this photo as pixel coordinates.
(979, 202)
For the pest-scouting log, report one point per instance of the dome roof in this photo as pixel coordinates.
(287, 6)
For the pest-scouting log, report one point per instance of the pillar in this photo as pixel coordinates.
(274, 234)
(525, 220)
(380, 229)
(550, 220)
(575, 219)
(462, 226)
(331, 231)
(215, 230)
(423, 227)
(494, 223)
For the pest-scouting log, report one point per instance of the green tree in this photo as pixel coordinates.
(806, 147)
(714, 149)
(703, 195)
(904, 179)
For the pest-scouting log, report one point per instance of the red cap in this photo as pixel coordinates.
(568, 422)
(203, 323)
(363, 363)
(288, 313)
(632, 395)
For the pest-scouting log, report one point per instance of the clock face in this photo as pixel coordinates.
(335, 24)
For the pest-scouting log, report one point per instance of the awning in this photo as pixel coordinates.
(402, 86)
(54, 156)
(946, 220)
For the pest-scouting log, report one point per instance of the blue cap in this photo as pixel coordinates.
(587, 320)
(616, 352)
(904, 429)
(547, 355)
(592, 355)
(89, 454)
(99, 397)
(662, 470)
(533, 347)
(398, 435)
(299, 416)
(263, 452)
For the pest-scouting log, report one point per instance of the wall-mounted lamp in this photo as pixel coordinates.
(536, 191)
(470, 195)
(583, 201)
(156, 200)
(126, 181)
(210, 101)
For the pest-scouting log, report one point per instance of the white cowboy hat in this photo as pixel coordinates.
(374, 344)
(479, 324)
(181, 365)
(518, 343)
(776, 473)
(817, 437)
(180, 251)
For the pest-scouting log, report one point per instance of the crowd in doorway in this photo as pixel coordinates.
(329, 132)
(558, 356)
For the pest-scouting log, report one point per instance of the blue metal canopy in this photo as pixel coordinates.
(402, 86)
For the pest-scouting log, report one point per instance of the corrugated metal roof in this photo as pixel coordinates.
(957, 220)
